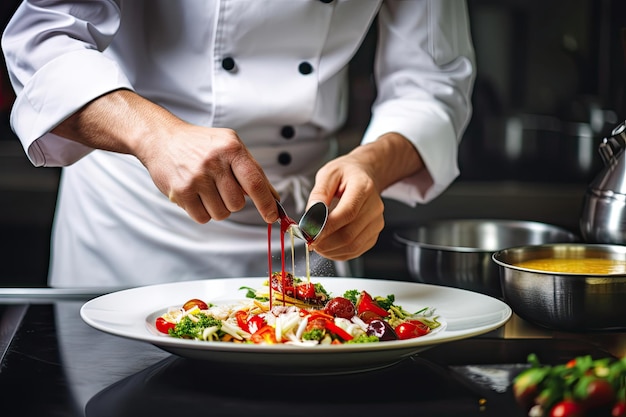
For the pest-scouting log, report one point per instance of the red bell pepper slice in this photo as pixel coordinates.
(333, 328)
(367, 303)
(265, 334)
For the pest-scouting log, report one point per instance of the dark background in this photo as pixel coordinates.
(550, 85)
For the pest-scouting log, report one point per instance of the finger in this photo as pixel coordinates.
(212, 201)
(231, 193)
(342, 249)
(193, 206)
(255, 184)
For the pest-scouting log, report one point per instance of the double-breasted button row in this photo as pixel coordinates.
(304, 68)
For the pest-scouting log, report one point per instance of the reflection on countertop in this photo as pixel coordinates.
(75, 370)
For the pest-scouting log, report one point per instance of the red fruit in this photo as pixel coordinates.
(411, 329)
(194, 302)
(340, 307)
(619, 409)
(598, 393)
(567, 408)
(305, 291)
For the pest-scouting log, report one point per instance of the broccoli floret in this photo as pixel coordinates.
(364, 339)
(186, 328)
(320, 289)
(352, 295)
(314, 334)
(385, 302)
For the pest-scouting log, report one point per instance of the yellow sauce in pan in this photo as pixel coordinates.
(576, 266)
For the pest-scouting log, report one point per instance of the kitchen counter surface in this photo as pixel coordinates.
(54, 364)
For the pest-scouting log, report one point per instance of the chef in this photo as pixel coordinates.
(177, 124)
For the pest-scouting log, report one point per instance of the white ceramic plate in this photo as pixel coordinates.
(131, 313)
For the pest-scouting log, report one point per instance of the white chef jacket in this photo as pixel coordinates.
(275, 71)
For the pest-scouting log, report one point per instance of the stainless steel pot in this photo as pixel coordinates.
(564, 301)
(457, 253)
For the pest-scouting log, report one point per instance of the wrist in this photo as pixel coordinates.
(391, 158)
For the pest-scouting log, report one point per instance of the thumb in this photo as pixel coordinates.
(324, 189)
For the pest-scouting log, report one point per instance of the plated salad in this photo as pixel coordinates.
(289, 310)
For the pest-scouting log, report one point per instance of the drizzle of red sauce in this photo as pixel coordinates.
(269, 258)
(285, 223)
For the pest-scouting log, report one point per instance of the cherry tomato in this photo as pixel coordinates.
(305, 291)
(599, 393)
(567, 408)
(340, 307)
(193, 303)
(163, 325)
(411, 329)
(619, 409)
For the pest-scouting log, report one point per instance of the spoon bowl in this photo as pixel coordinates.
(313, 221)
(310, 225)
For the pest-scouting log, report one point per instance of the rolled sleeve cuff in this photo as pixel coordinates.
(56, 91)
(433, 136)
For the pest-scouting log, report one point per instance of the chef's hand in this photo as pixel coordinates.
(351, 185)
(206, 171)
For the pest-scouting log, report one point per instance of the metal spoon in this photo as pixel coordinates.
(313, 221)
(311, 224)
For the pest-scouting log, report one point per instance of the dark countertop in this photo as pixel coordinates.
(54, 364)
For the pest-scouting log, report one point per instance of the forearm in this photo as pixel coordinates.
(120, 121)
(392, 158)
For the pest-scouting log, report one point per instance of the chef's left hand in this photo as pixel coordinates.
(351, 185)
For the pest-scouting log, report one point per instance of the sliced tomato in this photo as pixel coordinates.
(163, 325)
(305, 291)
(195, 302)
(367, 303)
(411, 329)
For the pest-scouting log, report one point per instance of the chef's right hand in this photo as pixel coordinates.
(209, 172)
(206, 171)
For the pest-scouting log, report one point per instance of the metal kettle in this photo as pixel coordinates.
(603, 217)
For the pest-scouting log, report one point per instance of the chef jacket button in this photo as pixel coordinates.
(287, 132)
(228, 63)
(326, 1)
(305, 68)
(284, 158)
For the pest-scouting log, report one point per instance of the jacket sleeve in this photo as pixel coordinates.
(53, 51)
(425, 70)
